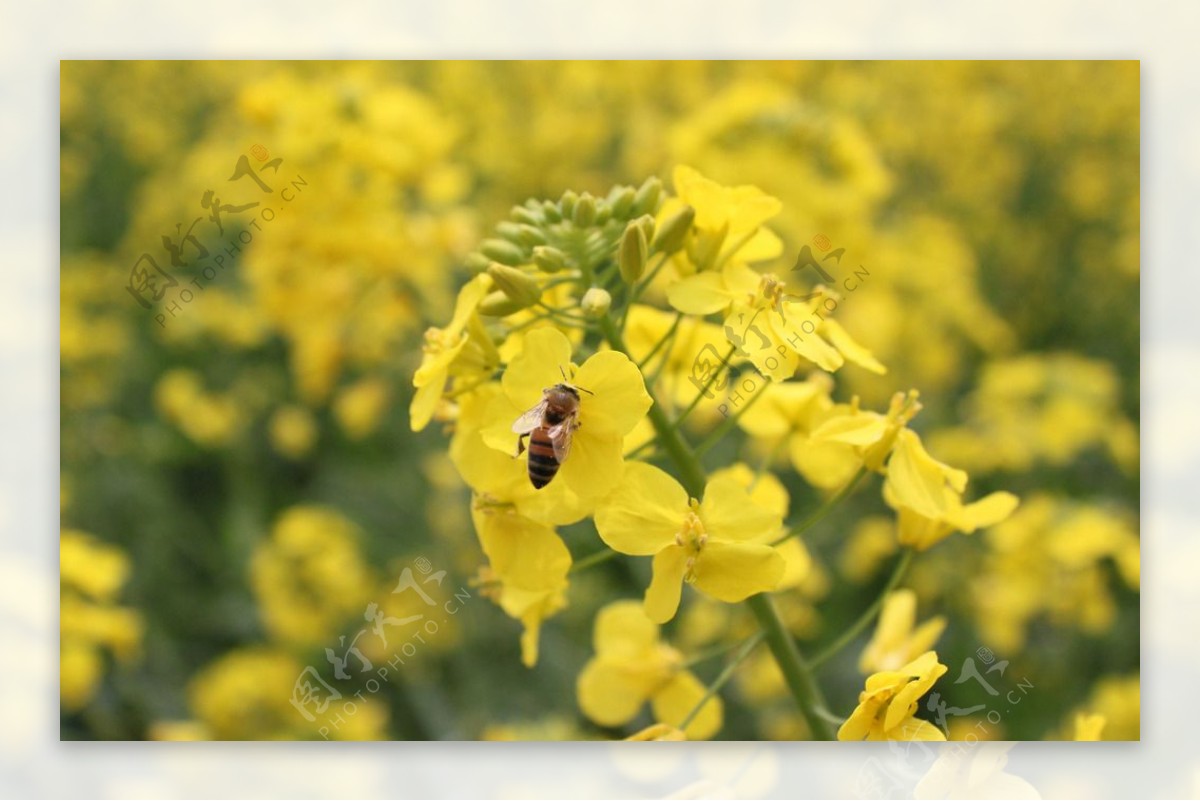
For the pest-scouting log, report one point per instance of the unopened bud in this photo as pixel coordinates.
(646, 223)
(530, 213)
(477, 262)
(502, 251)
(631, 257)
(645, 200)
(595, 302)
(620, 200)
(566, 203)
(516, 284)
(551, 211)
(672, 233)
(549, 259)
(584, 213)
(497, 304)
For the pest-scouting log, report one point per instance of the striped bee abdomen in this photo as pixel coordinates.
(543, 466)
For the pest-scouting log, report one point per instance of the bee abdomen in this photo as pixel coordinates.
(542, 464)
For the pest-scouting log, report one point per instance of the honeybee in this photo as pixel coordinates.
(549, 427)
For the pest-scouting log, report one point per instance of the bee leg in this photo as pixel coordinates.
(521, 444)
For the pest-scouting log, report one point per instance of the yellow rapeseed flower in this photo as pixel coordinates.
(633, 666)
(718, 545)
(615, 401)
(897, 638)
(527, 573)
(443, 346)
(886, 707)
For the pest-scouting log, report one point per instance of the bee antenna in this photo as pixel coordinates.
(564, 375)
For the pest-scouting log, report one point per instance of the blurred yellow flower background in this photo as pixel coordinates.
(288, 291)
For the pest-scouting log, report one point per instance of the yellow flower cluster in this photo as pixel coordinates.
(91, 623)
(526, 315)
(687, 315)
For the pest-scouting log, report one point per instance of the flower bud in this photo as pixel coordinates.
(502, 251)
(620, 200)
(566, 203)
(603, 213)
(497, 304)
(584, 213)
(551, 211)
(509, 230)
(596, 302)
(518, 285)
(646, 222)
(645, 200)
(476, 262)
(530, 213)
(631, 256)
(674, 230)
(549, 259)
(531, 236)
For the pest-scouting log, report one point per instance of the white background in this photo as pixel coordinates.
(34, 36)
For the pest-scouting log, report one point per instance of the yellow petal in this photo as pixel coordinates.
(645, 511)
(765, 489)
(729, 513)
(521, 552)
(764, 245)
(916, 479)
(468, 301)
(987, 511)
(860, 429)
(657, 732)
(701, 294)
(916, 729)
(676, 700)
(732, 572)
(544, 352)
(666, 584)
(849, 348)
(616, 398)
(797, 562)
(424, 402)
(593, 467)
(623, 632)
(827, 465)
(610, 695)
(810, 346)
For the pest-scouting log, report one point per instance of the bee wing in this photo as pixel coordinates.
(560, 437)
(530, 420)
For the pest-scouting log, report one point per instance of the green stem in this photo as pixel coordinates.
(865, 619)
(599, 557)
(724, 676)
(703, 393)
(796, 673)
(639, 288)
(670, 335)
(727, 424)
(825, 508)
(711, 653)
